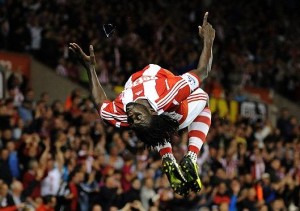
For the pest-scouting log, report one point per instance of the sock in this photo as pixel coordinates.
(166, 151)
(198, 130)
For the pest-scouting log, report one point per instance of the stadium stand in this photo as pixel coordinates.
(58, 155)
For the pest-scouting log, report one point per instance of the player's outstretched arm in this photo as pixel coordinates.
(89, 62)
(207, 33)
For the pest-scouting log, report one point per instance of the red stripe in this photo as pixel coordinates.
(197, 99)
(193, 148)
(196, 95)
(207, 109)
(197, 134)
(164, 151)
(203, 119)
(170, 95)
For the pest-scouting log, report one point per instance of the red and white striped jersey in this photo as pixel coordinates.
(166, 93)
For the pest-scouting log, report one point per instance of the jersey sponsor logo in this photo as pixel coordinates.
(143, 79)
(191, 80)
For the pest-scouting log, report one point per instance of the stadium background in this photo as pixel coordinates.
(47, 122)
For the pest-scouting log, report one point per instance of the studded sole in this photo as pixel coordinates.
(181, 189)
(195, 185)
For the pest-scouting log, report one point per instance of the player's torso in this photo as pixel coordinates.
(154, 84)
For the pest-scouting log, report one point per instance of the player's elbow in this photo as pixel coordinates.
(203, 72)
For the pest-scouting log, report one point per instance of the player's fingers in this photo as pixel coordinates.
(92, 51)
(70, 48)
(75, 48)
(78, 48)
(92, 54)
(205, 19)
(200, 30)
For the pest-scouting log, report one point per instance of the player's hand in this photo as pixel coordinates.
(206, 31)
(82, 57)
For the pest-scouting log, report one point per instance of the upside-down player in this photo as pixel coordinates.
(156, 104)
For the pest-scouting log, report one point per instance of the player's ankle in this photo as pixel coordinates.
(169, 155)
(193, 156)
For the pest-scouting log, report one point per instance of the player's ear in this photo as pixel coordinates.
(153, 112)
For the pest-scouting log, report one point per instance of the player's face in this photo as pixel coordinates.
(137, 114)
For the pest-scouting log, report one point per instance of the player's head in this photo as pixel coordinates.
(150, 128)
(138, 114)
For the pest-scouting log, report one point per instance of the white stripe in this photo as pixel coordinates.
(197, 99)
(167, 85)
(205, 113)
(128, 84)
(152, 70)
(127, 97)
(197, 95)
(199, 126)
(113, 114)
(150, 91)
(105, 113)
(198, 91)
(195, 141)
(110, 116)
(171, 94)
(166, 145)
(114, 106)
(107, 118)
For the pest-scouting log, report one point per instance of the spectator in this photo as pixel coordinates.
(86, 189)
(113, 159)
(6, 198)
(269, 193)
(109, 194)
(221, 195)
(147, 192)
(13, 160)
(128, 172)
(17, 192)
(76, 178)
(6, 174)
(250, 201)
(97, 207)
(235, 189)
(48, 204)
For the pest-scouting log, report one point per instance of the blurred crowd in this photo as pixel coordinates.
(257, 42)
(60, 156)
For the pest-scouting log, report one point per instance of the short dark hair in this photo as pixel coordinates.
(160, 130)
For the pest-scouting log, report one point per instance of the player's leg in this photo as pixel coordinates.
(197, 132)
(172, 169)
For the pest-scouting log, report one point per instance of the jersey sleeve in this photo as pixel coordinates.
(113, 114)
(178, 89)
